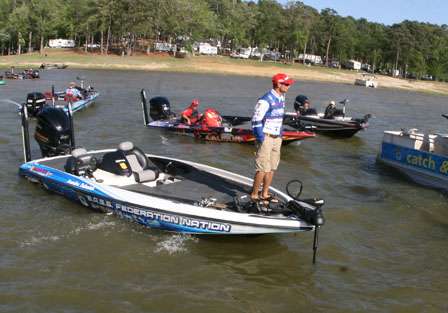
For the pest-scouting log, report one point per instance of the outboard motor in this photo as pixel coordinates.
(53, 132)
(159, 108)
(35, 74)
(35, 102)
(300, 102)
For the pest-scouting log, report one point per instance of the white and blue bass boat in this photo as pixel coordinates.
(156, 191)
(420, 156)
(37, 101)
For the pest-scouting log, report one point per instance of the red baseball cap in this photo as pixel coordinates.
(282, 78)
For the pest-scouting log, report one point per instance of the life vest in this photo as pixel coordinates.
(72, 95)
(192, 114)
(268, 116)
(211, 118)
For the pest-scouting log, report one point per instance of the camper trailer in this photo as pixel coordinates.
(205, 48)
(61, 43)
(353, 65)
(309, 59)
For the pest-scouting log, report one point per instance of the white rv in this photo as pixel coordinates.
(61, 43)
(353, 65)
(310, 58)
(205, 48)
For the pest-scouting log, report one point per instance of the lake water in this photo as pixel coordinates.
(383, 248)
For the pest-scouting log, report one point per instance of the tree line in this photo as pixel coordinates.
(128, 26)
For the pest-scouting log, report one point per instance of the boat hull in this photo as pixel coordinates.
(224, 134)
(161, 213)
(84, 103)
(328, 127)
(423, 167)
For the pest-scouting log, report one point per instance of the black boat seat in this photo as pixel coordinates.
(138, 163)
(80, 163)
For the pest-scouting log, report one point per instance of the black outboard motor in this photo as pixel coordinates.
(299, 106)
(35, 102)
(160, 109)
(300, 102)
(53, 132)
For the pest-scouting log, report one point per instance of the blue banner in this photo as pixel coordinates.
(423, 160)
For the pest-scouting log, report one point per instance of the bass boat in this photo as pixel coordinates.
(26, 74)
(336, 124)
(57, 66)
(233, 128)
(37, 101)
(421, 156)
(159, 192)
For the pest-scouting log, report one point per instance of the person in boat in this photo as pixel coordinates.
(72, 93)
(267, 123)
(331, 111)
(210, 118)
(302, 106)
(191, 115)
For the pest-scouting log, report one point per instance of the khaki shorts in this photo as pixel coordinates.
(268, 154)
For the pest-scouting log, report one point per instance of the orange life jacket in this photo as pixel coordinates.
(211, 118)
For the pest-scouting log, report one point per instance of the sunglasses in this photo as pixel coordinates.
(285, 84)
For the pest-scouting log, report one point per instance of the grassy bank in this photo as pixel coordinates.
(205, 64)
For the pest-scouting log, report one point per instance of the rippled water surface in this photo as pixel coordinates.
(383, 249)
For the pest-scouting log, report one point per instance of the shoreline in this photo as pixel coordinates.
(214, 65)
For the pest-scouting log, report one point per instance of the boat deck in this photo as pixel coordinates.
(194, 187)
(189, 186)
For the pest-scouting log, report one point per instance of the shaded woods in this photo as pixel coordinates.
(130, 26)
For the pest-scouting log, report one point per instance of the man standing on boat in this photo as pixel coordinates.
(267, 123)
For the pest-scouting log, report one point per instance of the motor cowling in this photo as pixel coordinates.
(160, 108)
(35, 102)
(300, 102)
(53, 132)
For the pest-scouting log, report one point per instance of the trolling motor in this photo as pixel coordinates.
(54, 132)
(310, 210)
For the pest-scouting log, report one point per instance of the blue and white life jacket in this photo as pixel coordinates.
(268, 115)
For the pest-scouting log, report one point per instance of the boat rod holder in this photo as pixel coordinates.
(144, 106)
(25, 133)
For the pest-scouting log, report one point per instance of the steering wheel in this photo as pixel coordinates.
(294, 189)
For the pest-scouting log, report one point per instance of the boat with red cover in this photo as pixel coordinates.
(230, 128)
